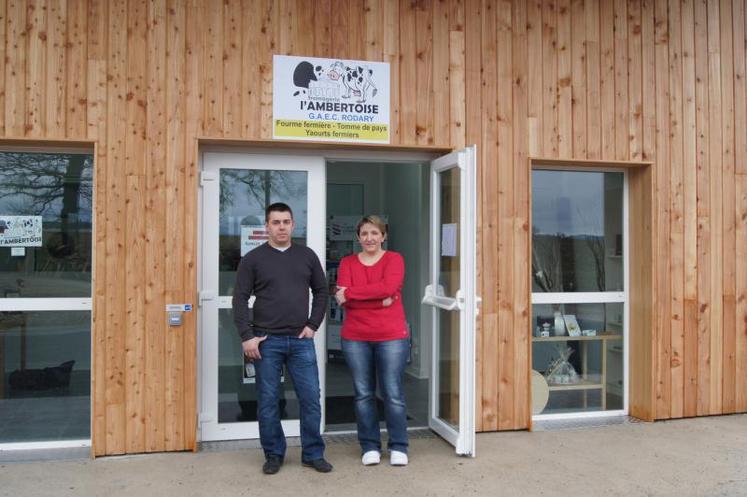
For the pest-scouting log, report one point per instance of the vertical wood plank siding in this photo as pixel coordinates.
(637, 80)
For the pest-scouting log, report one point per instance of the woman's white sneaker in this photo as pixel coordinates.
(397, 458)
(371, 457)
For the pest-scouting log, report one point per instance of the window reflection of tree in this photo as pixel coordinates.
(38, 184)
(260, 186)
(554, 264)
(546, 261)
(250, 191)
(32, 183)
(595, 242)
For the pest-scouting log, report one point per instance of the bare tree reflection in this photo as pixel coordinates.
(260, 185)
(546, 261)
(593, 226)
(32, 183)
(59, 188)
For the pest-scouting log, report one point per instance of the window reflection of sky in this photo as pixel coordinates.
(243, 198)
(568, 202)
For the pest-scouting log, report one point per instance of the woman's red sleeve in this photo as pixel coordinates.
(391, 283)
(344, 279)
(363, 304)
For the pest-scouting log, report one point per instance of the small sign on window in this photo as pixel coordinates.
(21, 231)
(449, 240)
(252, 236)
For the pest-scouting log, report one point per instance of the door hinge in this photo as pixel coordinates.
(207, 177)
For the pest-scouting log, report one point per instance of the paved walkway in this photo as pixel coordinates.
(698, 457)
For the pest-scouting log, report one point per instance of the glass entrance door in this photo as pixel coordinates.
(46, 223)
(451, 294)
(236, 189)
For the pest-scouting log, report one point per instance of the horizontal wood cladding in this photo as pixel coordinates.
(659, 81)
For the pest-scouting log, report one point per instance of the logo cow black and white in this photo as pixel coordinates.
(356, 81)
(304, 74)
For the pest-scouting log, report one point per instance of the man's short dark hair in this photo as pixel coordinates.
(277, 207)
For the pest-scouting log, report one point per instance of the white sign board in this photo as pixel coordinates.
(330, 100)
(178, 307)
(449, 240)
(252, 236)
(21, 231)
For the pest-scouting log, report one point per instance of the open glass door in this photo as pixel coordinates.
(236, 189)
(452, 296)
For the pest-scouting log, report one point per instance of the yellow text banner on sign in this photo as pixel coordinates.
(324, 130)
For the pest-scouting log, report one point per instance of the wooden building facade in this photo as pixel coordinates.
(654, 86)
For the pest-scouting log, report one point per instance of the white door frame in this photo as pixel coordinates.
(270, 154)
(610, 297)
(210, 302)
(51, 304)
(465, 302)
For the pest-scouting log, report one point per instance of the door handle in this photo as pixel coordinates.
(446, 303)
(206, 296)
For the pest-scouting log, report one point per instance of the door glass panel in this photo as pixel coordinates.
(244, 195)
(448, 367)
(577, 231)
(50, 195)
(449, 260)
(45, 376)
(237, 392)
(584, 372)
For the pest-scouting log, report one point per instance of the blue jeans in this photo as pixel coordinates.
(299, 355)
(385, 360)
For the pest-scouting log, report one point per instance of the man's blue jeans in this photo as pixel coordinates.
(299, 355)
(385, 360)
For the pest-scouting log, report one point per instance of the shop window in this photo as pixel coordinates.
(45, 288)
(578, 291)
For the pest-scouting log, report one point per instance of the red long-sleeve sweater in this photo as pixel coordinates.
(366, 319)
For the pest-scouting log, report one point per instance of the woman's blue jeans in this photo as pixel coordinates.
(385, 361)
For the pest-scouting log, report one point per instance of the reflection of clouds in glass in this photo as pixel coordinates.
(568, 202)
(244, 197)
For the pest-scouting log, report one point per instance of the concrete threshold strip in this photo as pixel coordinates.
(333, 438)
(83, 453)
(582, 423)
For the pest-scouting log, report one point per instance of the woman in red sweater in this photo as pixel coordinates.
(375, 340)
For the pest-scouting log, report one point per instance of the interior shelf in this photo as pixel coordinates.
(581, 385)
(566, 338)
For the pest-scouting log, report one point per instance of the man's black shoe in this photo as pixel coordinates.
(320, 465)
(272, 465)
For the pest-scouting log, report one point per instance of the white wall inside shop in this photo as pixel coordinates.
(401, 193)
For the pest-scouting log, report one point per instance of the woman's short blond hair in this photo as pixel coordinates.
(372, 219)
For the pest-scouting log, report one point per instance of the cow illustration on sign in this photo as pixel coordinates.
(304, 74)
(357, 80)
(316, 82)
